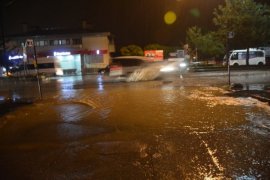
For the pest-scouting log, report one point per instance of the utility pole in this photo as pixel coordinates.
(230, 35)
(31, 43)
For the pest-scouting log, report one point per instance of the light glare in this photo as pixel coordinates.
(170, 17)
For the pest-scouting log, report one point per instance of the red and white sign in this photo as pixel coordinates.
(156, 55)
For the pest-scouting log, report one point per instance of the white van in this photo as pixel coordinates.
(256, 57)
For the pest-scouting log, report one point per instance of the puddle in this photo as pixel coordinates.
(73, 112)
(259, 124)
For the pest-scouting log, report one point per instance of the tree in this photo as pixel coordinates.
(154, 47)
(207, 45)
(250, 22)
(131, 50)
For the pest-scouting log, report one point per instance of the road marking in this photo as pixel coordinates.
(211, 154)
(213, 157)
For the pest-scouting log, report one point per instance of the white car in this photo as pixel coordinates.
(126, 65)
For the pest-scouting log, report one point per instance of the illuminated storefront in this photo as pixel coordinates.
(155, 55)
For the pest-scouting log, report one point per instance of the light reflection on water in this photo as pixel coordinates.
(254, 87)
(66, 86)
(155, 129)
(100, 83)
(258, 124)
(73, 112)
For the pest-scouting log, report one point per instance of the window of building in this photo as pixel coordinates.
(59, 42)
(36, 43)
(51, 42)
(77, 41)
(96, 58)
(41, 43)
(46, 43)
(55, 42)
(62, 42)
(67, 41)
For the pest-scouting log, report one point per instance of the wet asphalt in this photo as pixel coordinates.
(96, 127)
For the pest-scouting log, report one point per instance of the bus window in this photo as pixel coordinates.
(242, 55)
(259, 54)
(234, 56)
(252, 55)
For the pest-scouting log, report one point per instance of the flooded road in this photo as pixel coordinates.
(98, 129)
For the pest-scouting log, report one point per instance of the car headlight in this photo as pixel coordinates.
(182, 65)
(167, 69)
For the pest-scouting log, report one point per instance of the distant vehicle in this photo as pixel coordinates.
(134, 68)
(267, 54)
(125, 65)
(177, 66)
(173, 68)
(238, 57)
(196, 63)
(49, 67)
(178, 62)
(179, 55)
(2, 71)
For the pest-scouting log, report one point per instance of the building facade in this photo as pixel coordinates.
(61, 53)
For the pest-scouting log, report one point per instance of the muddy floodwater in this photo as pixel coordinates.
(179, 129)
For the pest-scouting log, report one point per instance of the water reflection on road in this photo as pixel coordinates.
(143, 130)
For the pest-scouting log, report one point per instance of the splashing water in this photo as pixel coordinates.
(144, 74)
(151, 72)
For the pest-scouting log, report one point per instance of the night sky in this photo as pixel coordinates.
(131, 21)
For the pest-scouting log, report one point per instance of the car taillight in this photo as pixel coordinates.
(112, 67)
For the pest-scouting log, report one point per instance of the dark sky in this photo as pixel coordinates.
(131, 21)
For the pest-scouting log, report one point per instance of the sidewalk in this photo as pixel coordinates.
(263, 96)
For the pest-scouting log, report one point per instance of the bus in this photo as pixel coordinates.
(238, 57)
